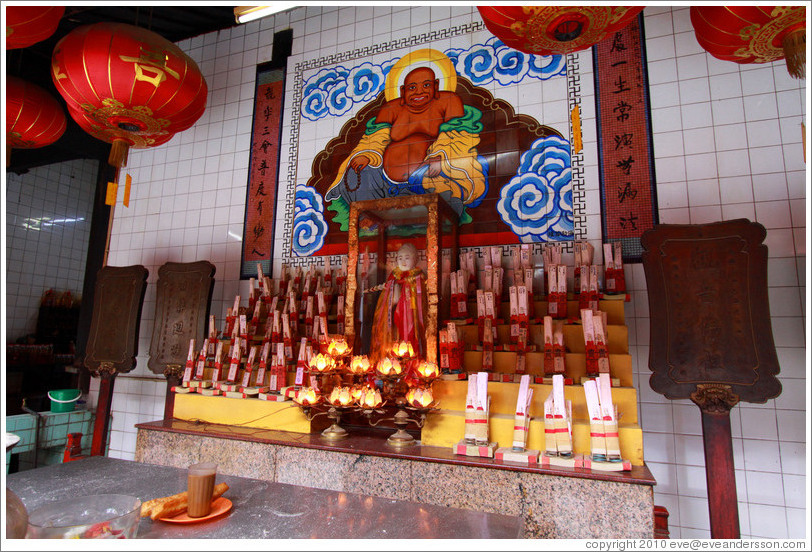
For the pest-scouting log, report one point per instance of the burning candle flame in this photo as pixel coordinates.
(357, 392)
(403, 349)
(338, 347)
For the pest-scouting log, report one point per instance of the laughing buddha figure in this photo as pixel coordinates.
(421, 142)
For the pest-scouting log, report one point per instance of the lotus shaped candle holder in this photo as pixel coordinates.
(369, 398)
(340, 396)
(310, 402)
(338, 348)
(420, 398)
(360, 365)
(403, 350)
(322, 364)
(389, 367)
(307, 397)
(335, 431)
(427, 372)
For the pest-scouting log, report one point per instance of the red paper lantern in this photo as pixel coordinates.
(27, 25)
(33, 117)
(127, 86)
(752, 34)
(548, 30)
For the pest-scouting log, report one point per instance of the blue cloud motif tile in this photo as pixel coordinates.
(334, 91)
(537, 203)
(309, 226)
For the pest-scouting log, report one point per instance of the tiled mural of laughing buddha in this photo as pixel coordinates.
(431, 130)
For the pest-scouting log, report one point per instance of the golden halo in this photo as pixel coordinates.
(434, 59)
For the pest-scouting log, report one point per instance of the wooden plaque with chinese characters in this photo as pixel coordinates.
(181, 313)
(626, 155)
(711, 337)
(117, 302)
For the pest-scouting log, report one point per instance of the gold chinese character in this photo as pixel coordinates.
(151, 67)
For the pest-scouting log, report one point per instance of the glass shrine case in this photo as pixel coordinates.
(384, 225)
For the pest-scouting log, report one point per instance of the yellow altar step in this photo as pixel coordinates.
(617, 336)
(614, 309)
(285, 416)
(504, 362)
(451, 396)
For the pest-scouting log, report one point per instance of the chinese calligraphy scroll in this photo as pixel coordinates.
(260, 204)
(628, 194)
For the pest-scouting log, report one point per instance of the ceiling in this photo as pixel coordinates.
(33, 64)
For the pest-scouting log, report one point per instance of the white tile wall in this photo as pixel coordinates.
(735, 166)
(727, 143)
(48, 212)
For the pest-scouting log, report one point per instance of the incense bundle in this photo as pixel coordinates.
(190, 361)
(562, 412)
(217, 373)
(609, 415)
(583, 253)
(521, 423)
(468, 261)
(236, 357)
(482, 409)
(602, 350)
(487, 346)
(263, 364)
(588, 326)
(558, 421)
(597, 432)
(593, 288)
(340, 314)
(614, 277)
(559, 353)
(470, 411)
(249, 367)
(301, 362)
(557, 291)
(287, 337)
(459, 294)
(212, 337)
(549, 348)
(551, 256)
(201, 360)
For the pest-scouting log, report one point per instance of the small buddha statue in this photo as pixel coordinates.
(401, 308)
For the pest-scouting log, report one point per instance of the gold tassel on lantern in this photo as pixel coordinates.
(794, 45)
(118, 153)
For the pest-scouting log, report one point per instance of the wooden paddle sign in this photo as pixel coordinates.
(711, 337)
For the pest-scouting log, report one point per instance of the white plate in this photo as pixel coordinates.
(11, 440)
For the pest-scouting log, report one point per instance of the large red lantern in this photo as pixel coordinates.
(753, 34)
(33, 117)
(548, 30)
(127, 86)
(27, 25)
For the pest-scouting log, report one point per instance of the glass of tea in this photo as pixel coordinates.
(200, 488)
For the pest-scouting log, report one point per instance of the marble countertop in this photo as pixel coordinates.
(373, 442)
(261, 509)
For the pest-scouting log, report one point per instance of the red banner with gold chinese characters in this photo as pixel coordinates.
(628, 186)
(260, 205)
